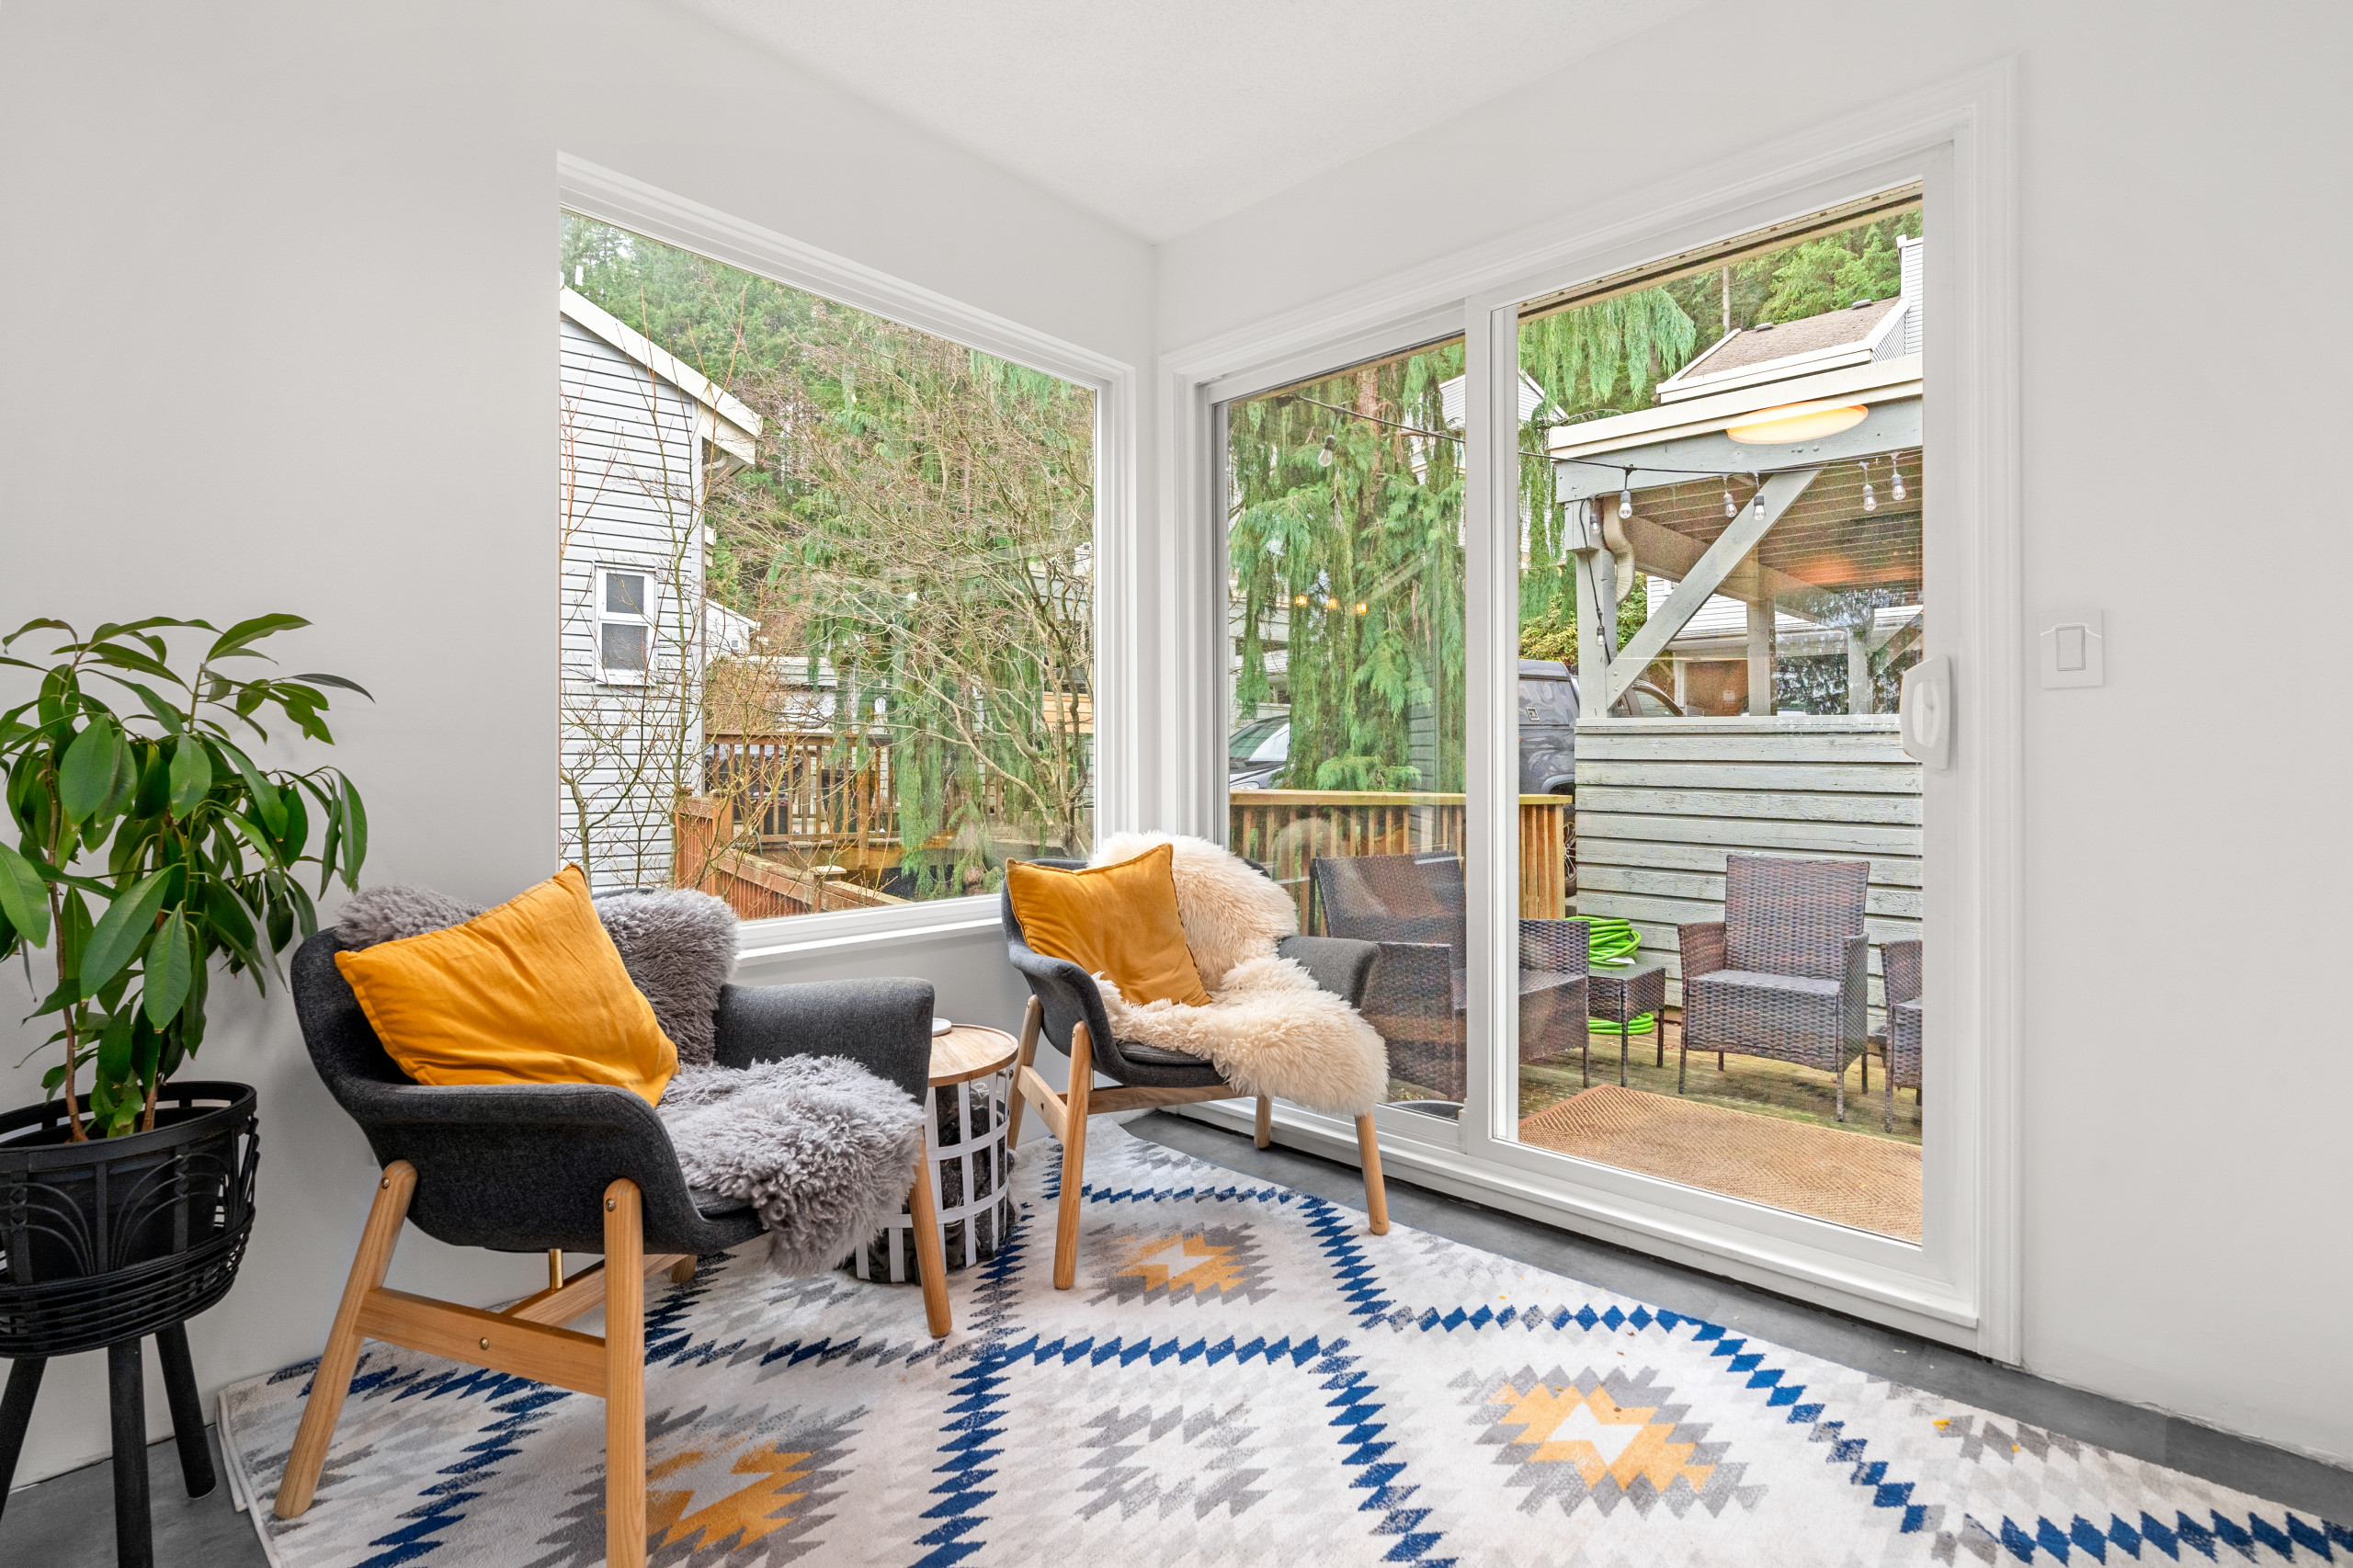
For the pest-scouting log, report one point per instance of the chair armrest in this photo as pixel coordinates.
(1900, 970)
(884, 1026)
(1341, 965)
(1701, 947)
(1556, 947)
(523, 1167)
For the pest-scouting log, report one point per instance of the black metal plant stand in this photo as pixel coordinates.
(106, 1243)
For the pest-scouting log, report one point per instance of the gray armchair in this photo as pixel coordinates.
(564, 1167)
(1066, 1009)
(1412, 906)
(1785, 973)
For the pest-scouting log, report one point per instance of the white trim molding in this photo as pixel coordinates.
(613, 197)
(1955, 137)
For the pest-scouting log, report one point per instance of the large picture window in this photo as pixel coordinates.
(828, 592)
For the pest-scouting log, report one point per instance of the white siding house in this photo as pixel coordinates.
(641, 437)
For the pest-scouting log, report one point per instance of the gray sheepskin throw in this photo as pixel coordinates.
(820, 1147)
(678, 946)
(1269, 1028)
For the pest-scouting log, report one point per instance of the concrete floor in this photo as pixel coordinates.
(68, 1521)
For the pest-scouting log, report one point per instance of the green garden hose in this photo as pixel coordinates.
(1611, 943)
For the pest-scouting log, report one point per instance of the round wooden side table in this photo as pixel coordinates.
(972, 1089)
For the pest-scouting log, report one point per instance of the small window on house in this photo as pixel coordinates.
(624, 629)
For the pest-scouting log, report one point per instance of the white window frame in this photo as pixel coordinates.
(610, 196)
(1957, 138)
(601, 616)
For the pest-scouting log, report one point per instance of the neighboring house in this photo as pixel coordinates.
(641, 438)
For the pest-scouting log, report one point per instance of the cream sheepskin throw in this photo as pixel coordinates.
(1269, 1028)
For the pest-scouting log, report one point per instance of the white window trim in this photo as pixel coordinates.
(609, 197)
(598, 616)
(1963, 1287)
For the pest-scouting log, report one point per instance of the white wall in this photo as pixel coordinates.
(280, 340)
(2184, 240)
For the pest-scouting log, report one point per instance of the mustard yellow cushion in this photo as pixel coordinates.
(533, 991)
(1119, 921)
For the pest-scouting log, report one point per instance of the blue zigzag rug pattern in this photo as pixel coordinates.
(1243, 1375)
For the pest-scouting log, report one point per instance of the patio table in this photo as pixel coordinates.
(1618, 993)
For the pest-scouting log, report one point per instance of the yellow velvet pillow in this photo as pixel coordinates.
(1119, 921)
(533, 991)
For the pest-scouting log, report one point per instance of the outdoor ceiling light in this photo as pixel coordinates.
(1324, 458)
(1797, 422)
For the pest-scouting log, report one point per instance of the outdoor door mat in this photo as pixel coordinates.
(1873, 1184)
(1243, 1375)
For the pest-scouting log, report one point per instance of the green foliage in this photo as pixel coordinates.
(145, 804)
(920, 526)
(1363, 559)
(1827, 273)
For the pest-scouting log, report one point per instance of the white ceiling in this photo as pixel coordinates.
(1162, 115)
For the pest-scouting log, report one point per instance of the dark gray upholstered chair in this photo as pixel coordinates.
(1899, 1038)
(1785, 973)
(564, 1167)
(1412, 906)
(1066, 1007)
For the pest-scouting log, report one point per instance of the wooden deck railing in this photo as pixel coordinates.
(1284, 830)
(714, 857)
(809, 786)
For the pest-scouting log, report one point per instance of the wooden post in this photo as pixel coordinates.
(1859, 697)
(1760, 657)
(624, 1377)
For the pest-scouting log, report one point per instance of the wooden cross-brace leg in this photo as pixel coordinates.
(624, 1377)
(331, 1381)
(1033, 1018)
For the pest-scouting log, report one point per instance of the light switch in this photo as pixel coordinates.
(2070, 647)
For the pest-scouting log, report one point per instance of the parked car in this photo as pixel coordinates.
(1547, 732)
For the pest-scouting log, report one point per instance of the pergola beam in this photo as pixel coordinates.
(1668, 553)
(1707, 574)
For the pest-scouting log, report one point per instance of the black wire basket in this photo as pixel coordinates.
(119, 1237)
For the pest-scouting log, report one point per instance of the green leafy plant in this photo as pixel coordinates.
(148, 845)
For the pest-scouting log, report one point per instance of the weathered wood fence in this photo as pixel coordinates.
(1662, 802)
(1284, 830)
(713, 857)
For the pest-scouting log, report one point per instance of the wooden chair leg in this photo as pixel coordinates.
(683, 1272)
(1376, 1191)
(931, 1257)
(331, 1381)
(624, 1377)
(1033, 1018)
(1082, 1082)
(1264, 1133)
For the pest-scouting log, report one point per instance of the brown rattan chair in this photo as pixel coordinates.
(1412, 906)
(1784, 974)
(1899, 1038)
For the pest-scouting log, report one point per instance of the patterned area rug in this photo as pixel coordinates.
(1873, 1184)
(1243, 1375)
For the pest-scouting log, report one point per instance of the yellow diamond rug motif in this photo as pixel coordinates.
(746, 1512)
(1600, 1436)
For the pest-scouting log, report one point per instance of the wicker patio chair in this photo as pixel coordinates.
(1899, 1038)
(1412, 906)
(1066, 1009)
(1784, 974)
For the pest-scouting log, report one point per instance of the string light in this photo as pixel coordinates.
(1731, 507)
(1870, 502)
(1362, 607)
(1324, 458)
(1331, 604)
(1300, 599)
(1897, 469)
(1626, 497)
(1759, 482)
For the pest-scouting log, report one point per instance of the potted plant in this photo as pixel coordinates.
(143, 849)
